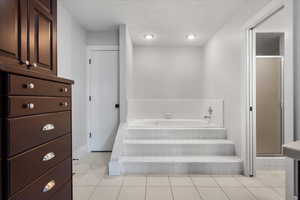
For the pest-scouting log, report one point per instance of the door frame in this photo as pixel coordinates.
(248, 94)
(89, 52)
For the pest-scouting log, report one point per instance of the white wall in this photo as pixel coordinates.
(167, 73)
(297, 67)
(109, 37)
(126, 56)
(72, 65)
(222, 70)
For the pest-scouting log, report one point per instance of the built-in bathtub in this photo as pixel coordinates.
(170, 123)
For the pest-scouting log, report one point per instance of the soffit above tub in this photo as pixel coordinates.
(170, 20)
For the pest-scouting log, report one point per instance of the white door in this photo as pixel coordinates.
(104, 99)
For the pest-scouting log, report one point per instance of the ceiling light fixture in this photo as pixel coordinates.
(191, 36)
(149, 36)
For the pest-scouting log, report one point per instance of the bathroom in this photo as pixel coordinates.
(149, 100)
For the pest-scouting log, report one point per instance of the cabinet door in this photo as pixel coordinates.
(42, 36)
(13, 32)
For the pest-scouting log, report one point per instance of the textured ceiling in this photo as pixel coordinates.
(169, 20)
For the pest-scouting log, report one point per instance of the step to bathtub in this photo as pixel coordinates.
(178, 133)
(181, 165)
(218, 147)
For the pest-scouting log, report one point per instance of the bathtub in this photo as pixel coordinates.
(170, 123)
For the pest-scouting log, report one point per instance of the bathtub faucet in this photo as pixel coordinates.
(210, 112)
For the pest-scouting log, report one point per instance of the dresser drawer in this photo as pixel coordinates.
(21, 85)
(36, 162)
(20, 106)
(27, 132)
(47, 185)
(65, 193)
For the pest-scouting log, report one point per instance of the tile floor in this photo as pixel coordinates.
(91, 182)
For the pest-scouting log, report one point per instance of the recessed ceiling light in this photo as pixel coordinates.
(191, 36)
(149, 36)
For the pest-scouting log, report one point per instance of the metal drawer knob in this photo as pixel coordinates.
(34, 65)
(48, 127)
(30, 106)
(48, 156)
(30, 86)
(49, 186)
(64, 89)
(64, 104)
(27, 62)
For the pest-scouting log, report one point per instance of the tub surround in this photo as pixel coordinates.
(191, 109)
(154, 149)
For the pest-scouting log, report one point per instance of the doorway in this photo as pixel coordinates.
(269, 93)
(103, 98)
(269, 106)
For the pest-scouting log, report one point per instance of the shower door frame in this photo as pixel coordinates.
(249, 90)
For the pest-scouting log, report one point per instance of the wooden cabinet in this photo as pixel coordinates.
(35, 105)
(42, 35)
(13, 34)
(29, 39)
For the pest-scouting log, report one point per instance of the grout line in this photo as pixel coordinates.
(222, 189)
(171, 187)
(246, 188)
(197, 190)
(146, 186)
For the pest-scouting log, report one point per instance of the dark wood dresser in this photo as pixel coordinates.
(35, 105)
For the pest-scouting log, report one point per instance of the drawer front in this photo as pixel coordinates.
(36, 162)
(27, 132)
(20, 106)
(21, 85)
(64, 193)
(47, 185)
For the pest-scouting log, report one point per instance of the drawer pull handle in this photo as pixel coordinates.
(48, 127)
(30, 86)
(64, 104)
(34, 65)
(49, 156)
(49, 186)
(64, 89)
(29, 106)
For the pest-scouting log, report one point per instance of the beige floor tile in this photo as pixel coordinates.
(112, 181)
(158, 193)
(82, 192)
(212, 193)
(135, 181)
(264, 194)
(250, 182)
(185, 193)
(235, 193)
(88, 179)
(158, 181)
(280, 191)
(106, 193)
(272, 181)
(227, 182)
(181, 181)
(204, 181)
(132, 193)
(81, 168)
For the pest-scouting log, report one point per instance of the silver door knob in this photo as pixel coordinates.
(64, 104)
(30, 85)
(27, 62)
(64, 89)
(30, 106)
(34, 65)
